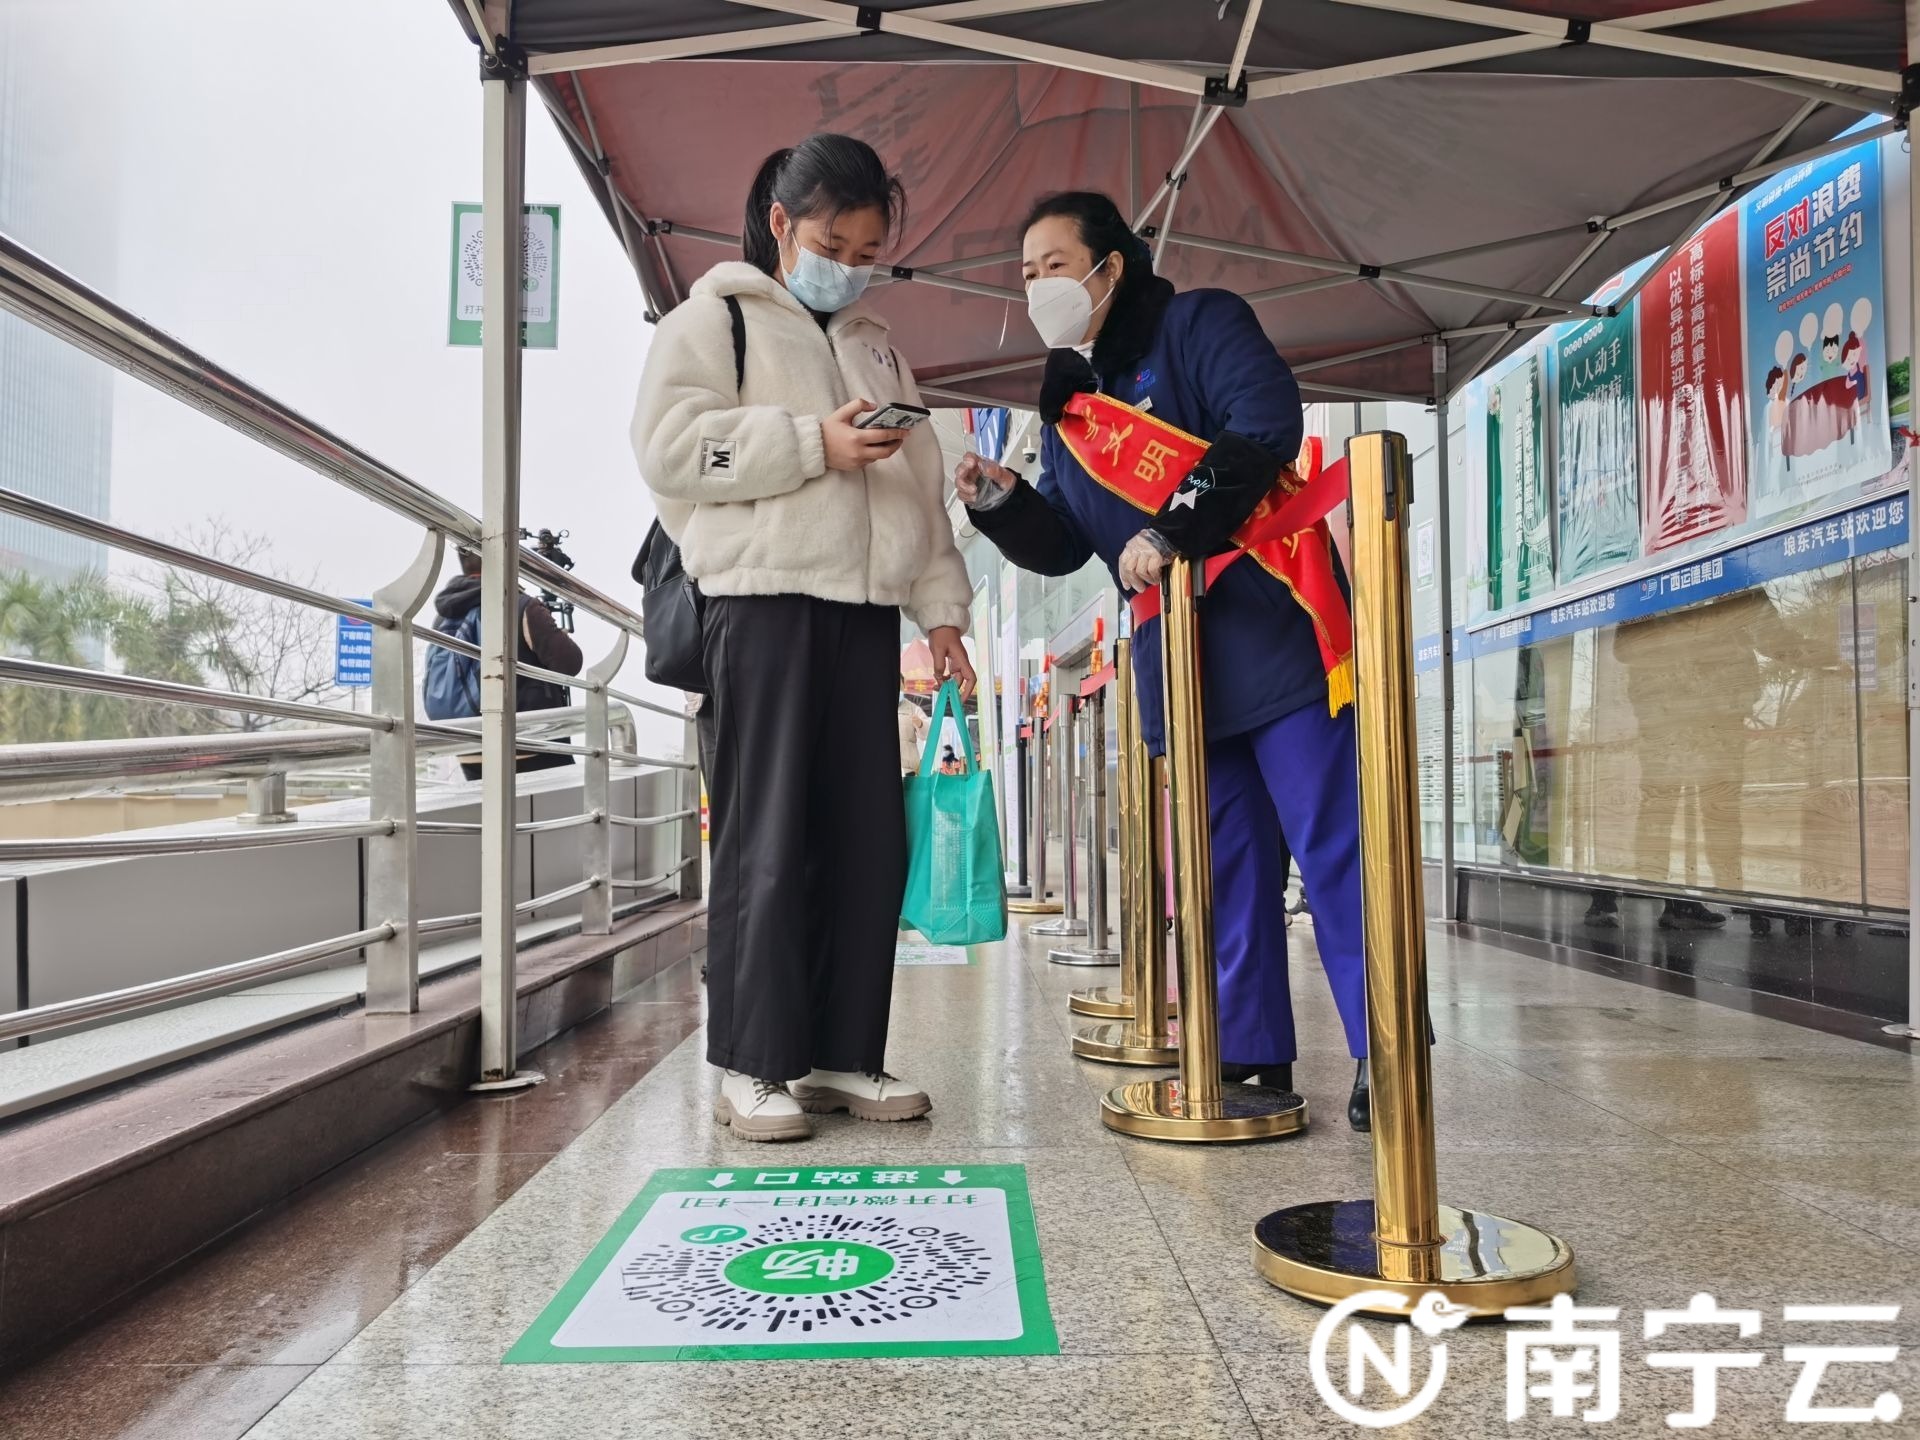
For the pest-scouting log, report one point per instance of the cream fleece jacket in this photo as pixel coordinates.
(740, 475)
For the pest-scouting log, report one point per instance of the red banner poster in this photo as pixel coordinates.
(1693, 407)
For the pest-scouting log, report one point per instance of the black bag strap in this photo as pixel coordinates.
(738, 322)
(739, 341)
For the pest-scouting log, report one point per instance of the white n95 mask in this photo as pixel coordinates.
(1061, 309)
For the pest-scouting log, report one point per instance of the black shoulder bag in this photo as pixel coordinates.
(669, 600)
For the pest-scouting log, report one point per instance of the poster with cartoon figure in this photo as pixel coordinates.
(1816, 337)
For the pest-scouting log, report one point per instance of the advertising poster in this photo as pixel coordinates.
(1597, 469)
(1816, 337)
(1519, 514)
(1693, 408)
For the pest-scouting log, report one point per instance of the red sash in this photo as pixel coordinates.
(1143, 461)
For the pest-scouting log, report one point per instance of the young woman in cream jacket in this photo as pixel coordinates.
(807, 536)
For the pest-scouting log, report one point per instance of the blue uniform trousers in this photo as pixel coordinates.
(1295, 775)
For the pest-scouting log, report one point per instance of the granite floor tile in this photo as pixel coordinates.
(1181, 1397)
(144, 1402)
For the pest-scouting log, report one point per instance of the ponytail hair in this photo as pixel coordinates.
(823, 175)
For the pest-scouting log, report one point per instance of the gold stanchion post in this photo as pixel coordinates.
(1195, 1106)
(1107, 1002)
(1142, 1034)
(1403, 1242)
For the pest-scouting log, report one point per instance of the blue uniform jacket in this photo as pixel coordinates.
(1207, 367)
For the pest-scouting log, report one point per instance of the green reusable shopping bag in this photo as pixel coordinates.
(956, 884)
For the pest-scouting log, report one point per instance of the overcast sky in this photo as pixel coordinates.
(282, 175)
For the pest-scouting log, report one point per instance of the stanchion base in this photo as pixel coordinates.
(1075, 955)
(1154, 1110)
(1103, 1002)
(1121, 1042)
(1325, 1252)
(1031, 906)
(519, 1080)
(1061, 927)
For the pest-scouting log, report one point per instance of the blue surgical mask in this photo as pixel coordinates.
(825, 285)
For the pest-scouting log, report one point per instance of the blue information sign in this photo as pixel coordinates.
(353, 650)
(1877, 524)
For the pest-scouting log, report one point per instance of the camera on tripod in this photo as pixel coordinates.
(546, 544)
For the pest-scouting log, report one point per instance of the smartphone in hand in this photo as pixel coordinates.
(895, 416)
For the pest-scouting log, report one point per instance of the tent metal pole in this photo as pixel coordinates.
(503, 192)
(1912, 1028)
(902, 22)
(1275, 86)
(1443, 580)
(1204, 119)
(1353, 356)
(982, 372)
(694, 47)
(1300, 287)
(971, 262)
(1348, 392)
(1387, 274)
(1762, 167)
(1807, 89)
(1133, 154)
(1643, 38)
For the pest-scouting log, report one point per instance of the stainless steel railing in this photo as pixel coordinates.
(391, 741)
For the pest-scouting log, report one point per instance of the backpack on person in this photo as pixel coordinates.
(669, 599)
(452, 687)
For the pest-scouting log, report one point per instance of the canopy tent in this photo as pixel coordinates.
(1403, 188)
(1375, 175)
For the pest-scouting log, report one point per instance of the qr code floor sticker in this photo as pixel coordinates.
(807, 1263)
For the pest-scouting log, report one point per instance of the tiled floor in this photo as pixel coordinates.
(1680, 1147)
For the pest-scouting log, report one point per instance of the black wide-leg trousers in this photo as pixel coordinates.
(808, 833)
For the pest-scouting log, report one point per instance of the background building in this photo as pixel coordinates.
(56, 403)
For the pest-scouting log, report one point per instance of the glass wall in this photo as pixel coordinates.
(1751, 745)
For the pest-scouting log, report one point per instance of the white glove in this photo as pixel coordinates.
(980, 483)
(1142, 562)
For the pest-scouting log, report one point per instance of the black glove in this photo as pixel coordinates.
(1069, 373)
(1220, 492)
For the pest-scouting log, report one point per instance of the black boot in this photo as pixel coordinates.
(1274, 1077)
(1360, 1102)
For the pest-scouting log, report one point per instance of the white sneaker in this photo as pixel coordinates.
(760, 1109)
(875, 1095)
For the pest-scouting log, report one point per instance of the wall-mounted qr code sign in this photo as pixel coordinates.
(809, 1262)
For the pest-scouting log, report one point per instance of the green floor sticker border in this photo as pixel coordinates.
(829, 1188)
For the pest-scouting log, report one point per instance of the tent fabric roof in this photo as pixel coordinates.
(1377, 173)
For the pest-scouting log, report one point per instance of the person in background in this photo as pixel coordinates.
(807, 534)
(542, 643)
(1280, 737)
(913, 735)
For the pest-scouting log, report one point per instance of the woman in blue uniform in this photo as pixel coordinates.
(1280, 756)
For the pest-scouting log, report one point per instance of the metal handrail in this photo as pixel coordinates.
(640, 822)
(57, 517)
(74, 769)
(391, 741)
(40, 292)
(63, 1013)
(651, 880)
(104, 847)
(525, 827)
(168, 692)
(639, 704)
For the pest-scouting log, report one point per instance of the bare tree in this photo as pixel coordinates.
(252, 644)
